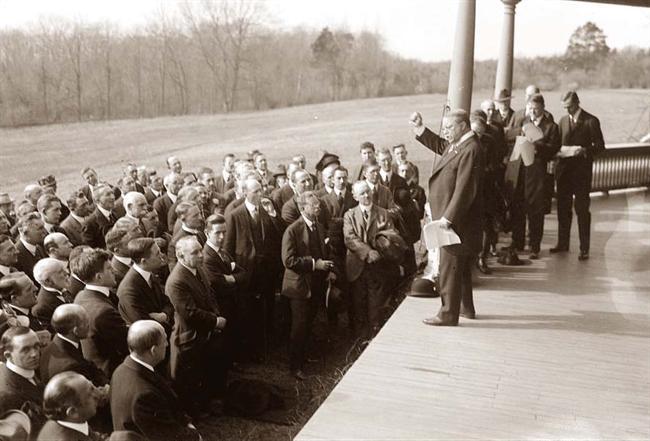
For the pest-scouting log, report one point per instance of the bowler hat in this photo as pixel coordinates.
(503, 95)
(570, 97)
(5, 199)
(422, 288)
(326, 160)
(15, 426)
(280, 170)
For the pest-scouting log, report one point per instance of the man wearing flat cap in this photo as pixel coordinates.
(580, 129)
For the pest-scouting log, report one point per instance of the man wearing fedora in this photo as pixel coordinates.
(573, 174)
(7, 208)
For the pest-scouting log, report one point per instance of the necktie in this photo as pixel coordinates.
(254, 214)
(340, 198)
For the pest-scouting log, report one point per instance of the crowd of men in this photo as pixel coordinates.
(125, 306)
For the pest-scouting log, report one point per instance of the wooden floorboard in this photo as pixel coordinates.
(560, 350)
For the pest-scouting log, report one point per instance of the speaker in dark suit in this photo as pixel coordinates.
(142, 401)
(364, 267)
(455, 200)
(198, 362)
(305, 257)
(253, 238)
(573, 174)
(106, 342)
(141, 295)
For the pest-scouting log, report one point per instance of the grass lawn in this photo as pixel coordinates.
(64, 150)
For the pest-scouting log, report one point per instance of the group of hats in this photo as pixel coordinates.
(569, 97)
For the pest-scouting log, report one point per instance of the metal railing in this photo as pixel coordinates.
(624, 165)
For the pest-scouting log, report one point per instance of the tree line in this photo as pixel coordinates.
(217, 57)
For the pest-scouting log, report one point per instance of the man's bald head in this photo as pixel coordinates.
(145, 334)
(135, 204)
(70, 319)
(71, 397)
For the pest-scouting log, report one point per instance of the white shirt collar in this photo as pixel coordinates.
(4, 270)
(142, 363)
(172, 197)
(189, 230)
(64, 338)
(74, 276)
(329, 189)
(309, 222)
(576, 115)
(27, 374)
(48, 226)
(79, 427)
(125, 260)
(79, 219)
(225, 176)
(103, 289)
(367, 209)
(250, 207)
(146, 275)
(20, 308)
(31, 248)
(192, 270)
(339, 192)
(106, 213)
(156, 193)
(385, 174)
(371, 185)
(213, 246)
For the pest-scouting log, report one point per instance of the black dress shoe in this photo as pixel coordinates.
(435, 321)
(534, 255)
(468, 315)
(558, 249)
(584, 255)
(482, 266)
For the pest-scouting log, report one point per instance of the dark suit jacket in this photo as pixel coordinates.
(291, 213)
(76, 285)
(216, 268)
(396, 182)
(586, 133)
(150, 197)
(138, 299)
(119, 269)
(382, 196)
(143, 402)
(360, 239)
(222, 186)
(54, 431)
(232, 205)
(240, 244)
(34, 323)
(119, 209)
(336, 209)
(162, 206)
(27, 260)
(106, 342)
(416, 176)
(16, 391)
(298, 261)
(46, 303)
(455, 189)
(60, 356)
(196, 313)
(281, 195)
(94, 230)
(73, 230)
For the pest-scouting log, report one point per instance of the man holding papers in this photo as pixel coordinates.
(455, 202)
(582, 139)
(538, 144)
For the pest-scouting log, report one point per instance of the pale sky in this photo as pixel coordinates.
(421, 29)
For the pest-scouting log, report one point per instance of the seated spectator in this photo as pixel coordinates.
(32, 192)
(8, 256)
(192, 224)
(80, 208)
(30, 245)
(76, 283)
(102, 219)
(141, 295)
(106, 341)
(58, 246)
(18, 292)
(69, 401)
(70, 324)
(49, 207)
(117, 240)
(141, 400)
(20, 388)
(53, 276)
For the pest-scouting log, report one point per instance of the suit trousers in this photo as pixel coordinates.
(574, 181)
(303, 312)
(522, 210)
(455, 286)
(368, 300)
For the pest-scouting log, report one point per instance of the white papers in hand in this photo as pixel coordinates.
(532, 132)
(525, 149)
(435, 236)
(568, 151)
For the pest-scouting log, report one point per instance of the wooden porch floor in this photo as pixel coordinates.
(560, 350)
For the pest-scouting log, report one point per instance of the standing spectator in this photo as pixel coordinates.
(367, 153)
(226, 180)
(163, 204)
(174, 165)
(80, 208)
(577, 128)
(101, 220)
(30, 245)
(381, 195)
(401, 157)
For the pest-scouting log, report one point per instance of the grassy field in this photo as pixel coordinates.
(64, 150)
